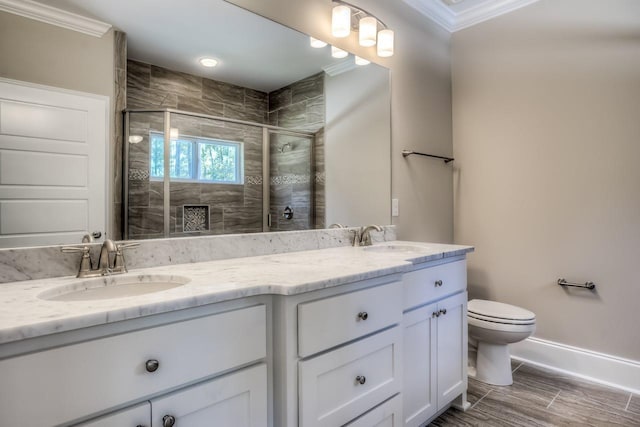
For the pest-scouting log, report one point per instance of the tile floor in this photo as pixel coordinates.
(544, 398)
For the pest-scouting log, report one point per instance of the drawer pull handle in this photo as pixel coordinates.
(361, 379)
(363, 315)
(168, 421)
(152, 365)
(438, 283)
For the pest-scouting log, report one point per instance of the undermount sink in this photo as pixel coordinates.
(395, 248)
(109, 287)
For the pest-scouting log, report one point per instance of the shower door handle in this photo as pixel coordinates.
(268, 220)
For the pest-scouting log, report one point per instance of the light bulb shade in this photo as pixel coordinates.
(336, 52)
(208, 62)
(367, 32)
(135, 139)
(385, 43)
(362, 61)
(341, 21)
(316, 43)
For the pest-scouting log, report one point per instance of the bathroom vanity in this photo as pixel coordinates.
(340, 336)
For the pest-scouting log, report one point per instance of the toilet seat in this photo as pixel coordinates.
(497, 312)
(498, 326)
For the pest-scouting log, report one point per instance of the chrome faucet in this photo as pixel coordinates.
(362, 236)
(105, 265)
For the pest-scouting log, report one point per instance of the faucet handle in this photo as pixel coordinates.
(127, 245)
(119, 264)
(85, 262)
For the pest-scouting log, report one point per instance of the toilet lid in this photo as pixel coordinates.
(496, 310)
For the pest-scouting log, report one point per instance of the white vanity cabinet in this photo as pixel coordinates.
(75, 381)
(338, 354)
(136, 416)
(235, 400)
(435, 340)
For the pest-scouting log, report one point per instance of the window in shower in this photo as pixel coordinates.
(197, 159)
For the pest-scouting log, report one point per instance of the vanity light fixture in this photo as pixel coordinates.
(368, 31)
(367, 26)
(135, 139)
(362, 61)
(316, 43)
(336, 52)
(208, 62)
(341, 21)
(385, 43)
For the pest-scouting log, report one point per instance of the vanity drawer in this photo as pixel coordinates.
(338, 386)
(420, 287)
(332, 321)
(63, 384)
(388, 414)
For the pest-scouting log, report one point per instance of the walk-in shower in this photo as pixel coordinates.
(225, 176)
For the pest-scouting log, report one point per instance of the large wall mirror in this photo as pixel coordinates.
(278, 136)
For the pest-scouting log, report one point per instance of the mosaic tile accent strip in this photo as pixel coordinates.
(290, 179)
(195, 218)
(138, 174)
(320, 177)
(253, 180)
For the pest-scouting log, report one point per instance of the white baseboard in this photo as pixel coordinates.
(590, 365)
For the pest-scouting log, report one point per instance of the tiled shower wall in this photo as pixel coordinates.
(298, 106)
(230, 208)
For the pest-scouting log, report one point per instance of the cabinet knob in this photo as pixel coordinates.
(168, 421)
(438, 283)
(361, 379)
(152, 365)
(363, 315)
(435, 314)
(443, 311)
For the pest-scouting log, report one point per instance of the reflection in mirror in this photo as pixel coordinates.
(278, 136)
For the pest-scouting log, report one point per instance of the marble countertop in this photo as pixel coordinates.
(24, 315)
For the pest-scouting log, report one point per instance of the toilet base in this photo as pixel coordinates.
(493, 364)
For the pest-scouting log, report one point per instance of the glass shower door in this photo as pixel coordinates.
(291, 182)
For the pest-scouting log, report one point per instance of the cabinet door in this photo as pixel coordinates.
(419, 362)
(235, 400)
(451, 348)
(136, 416)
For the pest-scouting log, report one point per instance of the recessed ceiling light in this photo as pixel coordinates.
(208, 62)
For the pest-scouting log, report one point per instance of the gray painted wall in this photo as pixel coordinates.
(546, 127)
(357, 147)
(420, 104)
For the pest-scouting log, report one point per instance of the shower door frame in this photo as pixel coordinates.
(266, 157)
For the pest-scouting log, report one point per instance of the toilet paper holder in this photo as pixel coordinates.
(587, 285)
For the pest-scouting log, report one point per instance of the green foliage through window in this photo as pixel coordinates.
(197, 159)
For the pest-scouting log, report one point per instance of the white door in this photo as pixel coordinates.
(53, 146)
(235, 400)
(419, 384)
(452, 348)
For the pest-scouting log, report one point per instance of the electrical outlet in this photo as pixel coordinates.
(394, 207)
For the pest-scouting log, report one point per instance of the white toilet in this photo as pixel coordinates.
(492, 327)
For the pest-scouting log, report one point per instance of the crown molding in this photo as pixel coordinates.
(54, 16)
(437, 11)
(453, 21)
(347, 64)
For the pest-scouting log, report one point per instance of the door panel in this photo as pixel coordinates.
(53, 164)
